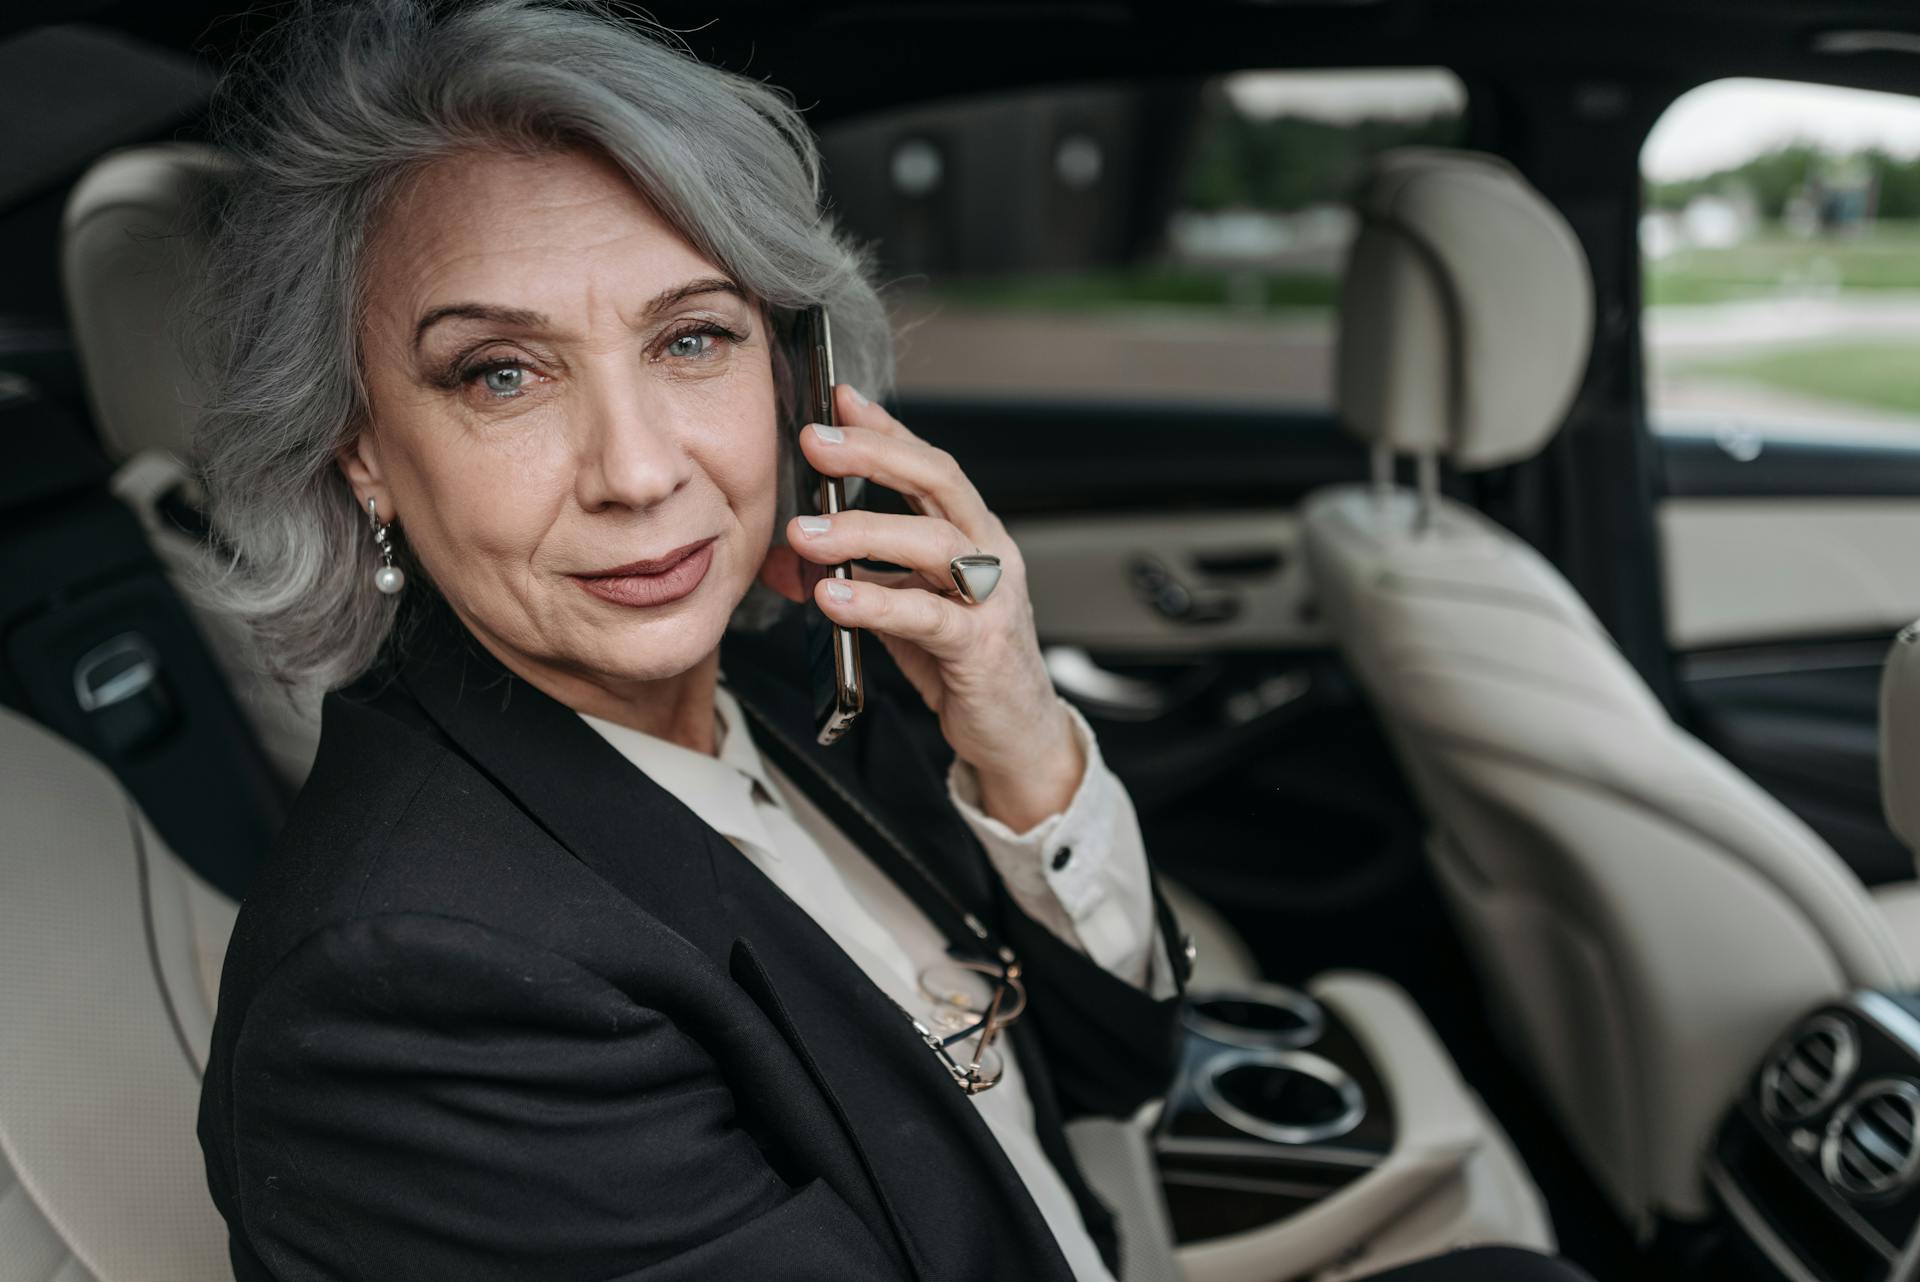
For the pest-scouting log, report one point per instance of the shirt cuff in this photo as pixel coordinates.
(1081, 872)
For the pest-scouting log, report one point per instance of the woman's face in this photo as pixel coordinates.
(562, 389)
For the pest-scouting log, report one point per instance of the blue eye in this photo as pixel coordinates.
(504, 380)
(695, 344)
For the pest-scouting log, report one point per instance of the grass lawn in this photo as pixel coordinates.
(1270, 291)
(1887, 257)
(1883, 375)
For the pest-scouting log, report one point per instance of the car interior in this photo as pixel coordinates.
(1500, 624)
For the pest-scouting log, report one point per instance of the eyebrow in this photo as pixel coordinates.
(522, 318)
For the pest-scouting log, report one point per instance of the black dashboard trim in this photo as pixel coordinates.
(1753, 1222)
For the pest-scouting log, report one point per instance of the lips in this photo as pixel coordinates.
(652, 582)
(655, 566)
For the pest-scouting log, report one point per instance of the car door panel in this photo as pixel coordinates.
(1788, 566)
(1160, 583)
(1260, 775)
(1744, 570)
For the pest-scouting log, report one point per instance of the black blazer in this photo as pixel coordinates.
(499, 1006)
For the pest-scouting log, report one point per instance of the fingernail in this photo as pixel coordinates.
(839, 591)
(831, 435)
(811, 525)
(859, 397)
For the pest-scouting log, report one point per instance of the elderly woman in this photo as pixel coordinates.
(579, 958)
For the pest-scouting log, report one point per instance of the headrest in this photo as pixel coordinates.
(128, 249)
(1900, 736)
(1466, 312)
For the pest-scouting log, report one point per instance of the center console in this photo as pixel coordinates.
(1328, 1128)
(1818, 1165)
(1276, 1107)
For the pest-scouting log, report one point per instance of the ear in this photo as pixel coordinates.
(781, 572)
(359, 461)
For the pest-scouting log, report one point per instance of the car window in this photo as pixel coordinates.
(1172, 241)
(1780, 241)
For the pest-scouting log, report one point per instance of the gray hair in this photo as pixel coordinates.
(326, 120)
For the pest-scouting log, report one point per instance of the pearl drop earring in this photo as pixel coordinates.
(389, 578)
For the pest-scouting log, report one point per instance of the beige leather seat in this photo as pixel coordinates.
(110, 948)
(127, 254)
(1645, 919)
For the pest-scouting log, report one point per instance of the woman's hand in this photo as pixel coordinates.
(977, 666)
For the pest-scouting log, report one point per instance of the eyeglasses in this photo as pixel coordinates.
(971, 1000)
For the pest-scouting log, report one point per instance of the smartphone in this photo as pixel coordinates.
(833, 652)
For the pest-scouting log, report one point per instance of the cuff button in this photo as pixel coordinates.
(1061, 857)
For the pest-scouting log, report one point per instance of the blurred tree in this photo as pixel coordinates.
(1776, 177)
(1899, 185)
(1290, 162)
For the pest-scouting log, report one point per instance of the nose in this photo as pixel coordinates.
(630, 454)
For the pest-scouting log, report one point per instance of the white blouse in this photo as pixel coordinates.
(1081, 872)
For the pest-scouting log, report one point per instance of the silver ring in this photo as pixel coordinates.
(975, 576)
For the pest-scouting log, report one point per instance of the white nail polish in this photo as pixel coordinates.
(831, 435)
(811, 525)
(839, 590)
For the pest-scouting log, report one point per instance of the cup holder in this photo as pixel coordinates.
(1286, 1096)
(1257, 1017)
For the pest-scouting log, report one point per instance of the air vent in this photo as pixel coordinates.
(1808, 1073)
(1872, 1149)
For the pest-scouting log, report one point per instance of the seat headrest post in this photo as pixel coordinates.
(1380, 469)
(1426, 482)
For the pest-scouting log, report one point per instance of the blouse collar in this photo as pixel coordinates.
(720, 788)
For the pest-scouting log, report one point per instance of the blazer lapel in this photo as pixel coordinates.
(961, 1209)
(577, 786)
(921, 1140)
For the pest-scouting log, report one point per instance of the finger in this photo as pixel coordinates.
(921, 543)
(911, 466)
(944, 628)
(895, 578)
(853, 408)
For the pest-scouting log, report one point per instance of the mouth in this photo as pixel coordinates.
(656, 581)
(654, 566)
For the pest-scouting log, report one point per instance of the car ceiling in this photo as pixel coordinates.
(839, 57)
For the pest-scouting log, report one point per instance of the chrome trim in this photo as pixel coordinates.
(1312, 1016)
(1109, 694)
(134, 679)
(1754, 1224)
(1908, 1168)
(1846, 1058)
(1325, 1071)
(1890, 1018)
